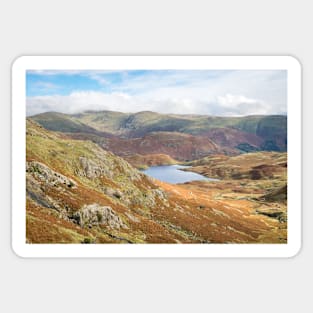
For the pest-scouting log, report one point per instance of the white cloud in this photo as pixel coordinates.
(100, 79)
(231, 105)
(79, 101)
(232, 93)
(241, 105)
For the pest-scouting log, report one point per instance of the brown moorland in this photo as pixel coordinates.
(79, 193)
(144, 161)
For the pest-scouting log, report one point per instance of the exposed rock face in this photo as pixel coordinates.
(40, 179)
(47, 175)
(36, 192)
(107, 166)
(91, 169)
(113, 193)
(131, 186)
(94, 214)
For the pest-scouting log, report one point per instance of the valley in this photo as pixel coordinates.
(85, 182)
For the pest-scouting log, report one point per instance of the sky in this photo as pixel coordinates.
(210, 92)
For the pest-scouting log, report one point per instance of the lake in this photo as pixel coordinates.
(172, 174)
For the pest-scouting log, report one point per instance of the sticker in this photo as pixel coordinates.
(156, 156)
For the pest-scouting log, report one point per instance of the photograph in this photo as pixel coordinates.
(156, 156)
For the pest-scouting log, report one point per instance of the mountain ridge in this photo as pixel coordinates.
(228, 135)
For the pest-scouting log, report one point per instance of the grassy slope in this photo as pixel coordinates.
(260, 177)
(250, 165)
(151, 211)
(176, 145)
(61, 122)
(118, 178)
(107, 121)
(271, 130)
(144, 161)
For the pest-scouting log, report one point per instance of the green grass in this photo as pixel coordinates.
(272, 129)
(62, 123)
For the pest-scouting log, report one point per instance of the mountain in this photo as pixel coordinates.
(127, 125)
(77, 192)
(181, 137)
(178, 146)
(235, 139)
(65, 123)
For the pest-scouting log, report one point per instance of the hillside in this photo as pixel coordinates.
(270, 165)
(258, 177)
(81, 184)
(179, 146)
(144, 161)
(65, 123)
(234, 139)
(79, 193)
(242, 134)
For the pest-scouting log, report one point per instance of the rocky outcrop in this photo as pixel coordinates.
(37, 192)
(91, 169)
(50, 177)
(41, 180)
(41, 184)
(95, 214)
(106, 165)
(117, 179)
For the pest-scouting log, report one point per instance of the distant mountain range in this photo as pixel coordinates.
(181, 137)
